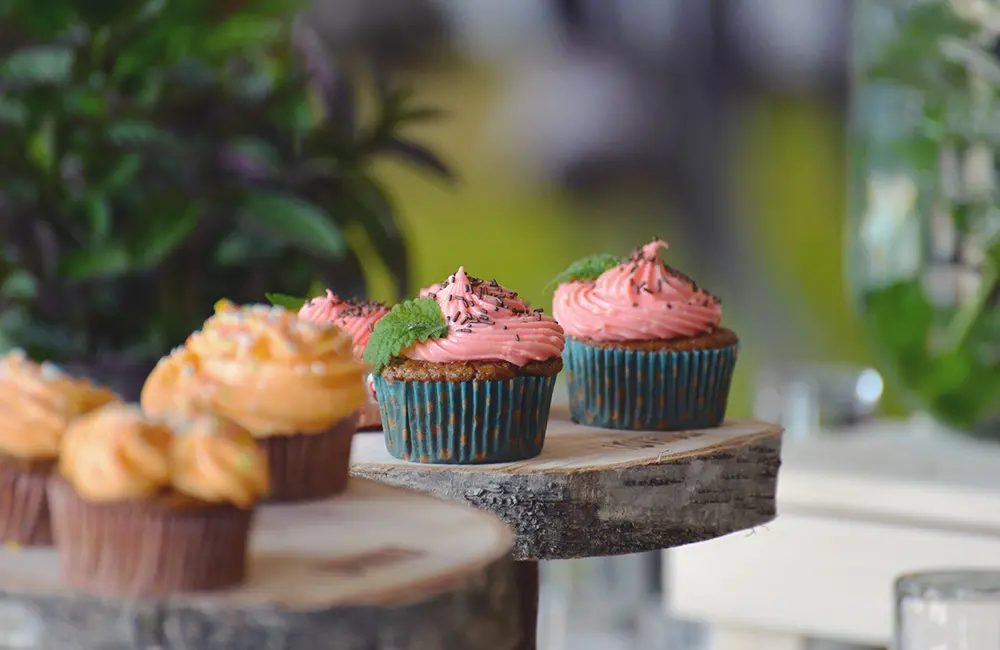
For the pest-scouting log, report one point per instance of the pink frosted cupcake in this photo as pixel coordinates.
(465, 373)
(357, 319)
(645, 348)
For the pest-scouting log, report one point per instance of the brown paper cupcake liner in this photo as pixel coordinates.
(141, 548)
(24, 506)
(310, 466)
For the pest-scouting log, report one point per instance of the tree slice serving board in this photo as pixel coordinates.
(595, 492)
(377, 568)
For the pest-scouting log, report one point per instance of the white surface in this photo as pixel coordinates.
(854, 512)
(738, 638)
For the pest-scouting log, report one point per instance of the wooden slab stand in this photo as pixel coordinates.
(596, 492)
(376, 569)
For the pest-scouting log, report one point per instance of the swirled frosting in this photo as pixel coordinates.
(176, 385)
(642, 299)
(37, 402)
(487, 322)
(218, 461)
(264, 368)
(116, 453)
(355, 318)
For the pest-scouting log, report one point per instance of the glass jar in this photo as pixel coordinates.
(924, 241)
(948, 610)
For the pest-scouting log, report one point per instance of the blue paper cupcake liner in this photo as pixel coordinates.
(616, 388)
(465, 423)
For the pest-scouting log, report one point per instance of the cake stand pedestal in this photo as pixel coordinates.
(597, 492)
(375, 568)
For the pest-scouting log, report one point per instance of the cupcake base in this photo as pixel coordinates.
(147, 548)
(310, 466)
(651, 385)
(467, 422)
(24, 505)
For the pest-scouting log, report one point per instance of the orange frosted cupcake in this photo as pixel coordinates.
(37, 403)
(292, 383)
(141, 507)
(356, 319)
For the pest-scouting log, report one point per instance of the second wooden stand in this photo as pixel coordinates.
(597, 492)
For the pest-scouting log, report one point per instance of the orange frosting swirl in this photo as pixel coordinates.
(641, 299)
(116, 453)
(37, 402)
(355, 318)
(487, 322)
(218, 461)
(175, 385)
(264, 368)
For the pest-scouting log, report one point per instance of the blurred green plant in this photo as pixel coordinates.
(934, 93)
(158, 155)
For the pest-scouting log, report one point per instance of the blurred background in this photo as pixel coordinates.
(155, 157)
(556, 160)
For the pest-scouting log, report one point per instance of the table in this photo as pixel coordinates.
(375, 568)
(595, 492)
(857, 508)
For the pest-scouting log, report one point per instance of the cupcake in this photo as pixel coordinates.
(37, 402)
(644, 348)
(464, 374)
(145, 508)
(356, 319)
(292, 383)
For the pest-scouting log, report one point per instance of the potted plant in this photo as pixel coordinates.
(924, 243)
(156, 156)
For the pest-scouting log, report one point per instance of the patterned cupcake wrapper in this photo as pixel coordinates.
(465, 423)
(648, 391)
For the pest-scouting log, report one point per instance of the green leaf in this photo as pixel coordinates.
(42, 146)
(99, 215)
(167, 233)
(19, 285)
(241, 34)
(43, 64)
(13, 112)
(408, 322)
(237, 248)
(136, 132)
(298, 221)
(92, 263)
(290, 303)
(419, 155)
(588, 268)
(123, 173)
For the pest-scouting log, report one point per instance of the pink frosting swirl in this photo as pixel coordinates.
(487, 322)
(355, 318)
(642, 299)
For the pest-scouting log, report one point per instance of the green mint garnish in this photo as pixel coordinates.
(588, 268)
(408, 322)
(290, 303)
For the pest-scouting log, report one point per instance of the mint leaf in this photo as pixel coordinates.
(408, 322)
(290, 303)
(588, 268)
